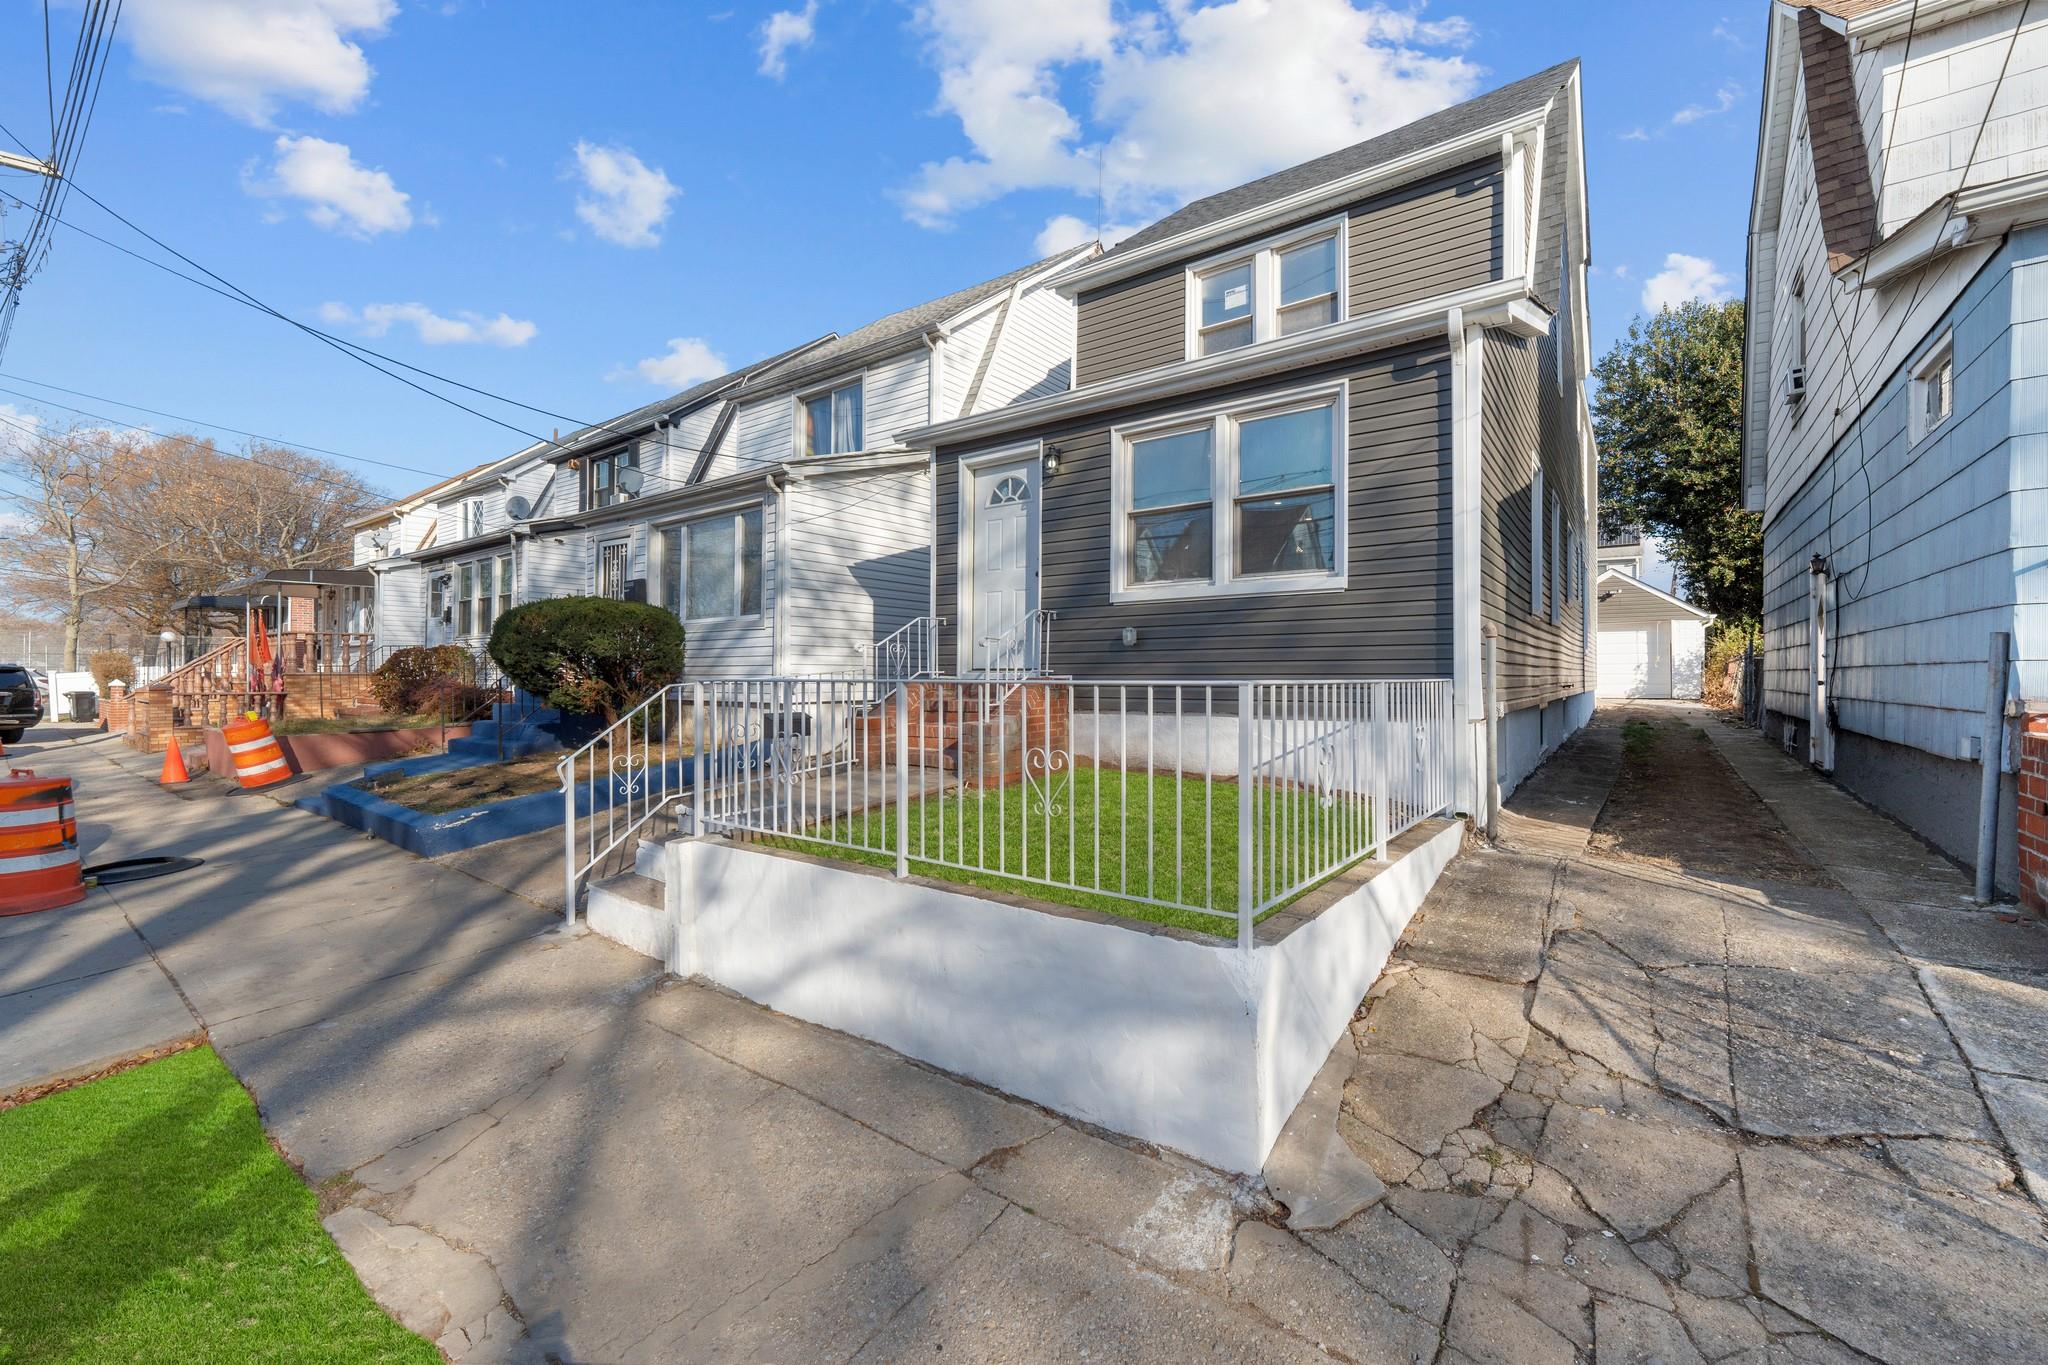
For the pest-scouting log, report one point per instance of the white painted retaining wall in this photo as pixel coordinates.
(1193, 1046)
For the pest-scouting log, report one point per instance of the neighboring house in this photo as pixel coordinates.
(774, 509)
(1326, 425)
(1652, 643)
(1892, 437)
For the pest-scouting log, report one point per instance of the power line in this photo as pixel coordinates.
(201, 422)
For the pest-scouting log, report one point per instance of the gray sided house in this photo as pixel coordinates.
(774, 509)
(1326, 425)
(1894, 420)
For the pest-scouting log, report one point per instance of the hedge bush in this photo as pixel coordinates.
(109, 666)
(589, 655)
(402, 682)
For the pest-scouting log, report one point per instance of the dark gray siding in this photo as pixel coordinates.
(1433, 237)
(1134, 326)
(1394, 618)
(1523, 411)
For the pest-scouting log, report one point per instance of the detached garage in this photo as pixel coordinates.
(1651, 644)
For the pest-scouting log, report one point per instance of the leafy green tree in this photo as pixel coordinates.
(1668, 416)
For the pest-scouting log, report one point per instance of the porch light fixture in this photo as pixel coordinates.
(1052, 461)
(1817, 565)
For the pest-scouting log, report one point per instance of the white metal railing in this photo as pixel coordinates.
(634, 770)
(1224, 800)
(1022, 651)
(911, 652)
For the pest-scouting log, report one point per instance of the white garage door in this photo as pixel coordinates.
(1636, 661)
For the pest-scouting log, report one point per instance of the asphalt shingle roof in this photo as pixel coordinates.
(1474, 114)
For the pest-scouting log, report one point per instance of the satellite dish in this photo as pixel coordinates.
(518, 508)
(631, 481)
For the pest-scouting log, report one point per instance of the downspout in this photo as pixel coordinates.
(1468, 356)
(779, 629)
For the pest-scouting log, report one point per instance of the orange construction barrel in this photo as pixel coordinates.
(38, 844)
(258, 759)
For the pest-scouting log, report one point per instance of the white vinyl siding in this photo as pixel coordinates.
(401, 607)
(1034, 356)
(860, 563)
(553, 565)
(966, 354)
(743, 645)
(898, 397)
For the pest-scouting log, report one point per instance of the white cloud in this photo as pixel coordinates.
(1724, 100)
(1724, 31)
(1063, 231)
(337, 193)
(248, 56)
(465, 328)
(786, 29)
(688, 360)
(1683, 279)
(1635, 135)
(1187, 100)
(627, 200)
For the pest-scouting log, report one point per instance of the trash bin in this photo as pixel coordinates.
(85, 705)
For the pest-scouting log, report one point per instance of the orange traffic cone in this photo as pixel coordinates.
(174, 767)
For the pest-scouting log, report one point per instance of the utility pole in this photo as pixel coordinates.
(14, 161)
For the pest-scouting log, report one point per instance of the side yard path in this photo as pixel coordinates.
(1709, 1063)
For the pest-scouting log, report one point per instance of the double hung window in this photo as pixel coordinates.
(1240, 501)
(1272, 290)
(829, 422)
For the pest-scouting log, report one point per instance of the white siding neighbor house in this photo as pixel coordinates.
(773, 509)
(1894, 422)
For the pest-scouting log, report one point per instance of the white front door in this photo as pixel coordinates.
(1002, 584)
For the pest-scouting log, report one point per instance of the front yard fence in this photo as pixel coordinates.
(1207, 804)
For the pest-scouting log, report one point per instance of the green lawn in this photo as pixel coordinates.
(1127, 841)
(144, 1217)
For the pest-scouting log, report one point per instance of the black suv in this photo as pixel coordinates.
(20, 704)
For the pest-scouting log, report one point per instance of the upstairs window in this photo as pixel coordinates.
(1276, 289)
(472, 518)
(829, 422)
(602, 482)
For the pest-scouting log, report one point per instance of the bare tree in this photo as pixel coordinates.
(64, 558)
(124, 527)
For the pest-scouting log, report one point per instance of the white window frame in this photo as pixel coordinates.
(470, 518)
(1556, 558)
(1224, 580)
(658, 549)
(624, 543)
(1536, 508)
(1937, 366)
(617, 458)
(1263, 256)
(803, 396)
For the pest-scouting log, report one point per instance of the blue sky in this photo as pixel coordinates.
(586, 206)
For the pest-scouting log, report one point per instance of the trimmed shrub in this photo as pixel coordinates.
(453, 698)
(401, 681)
(111, 665)
(589, 655)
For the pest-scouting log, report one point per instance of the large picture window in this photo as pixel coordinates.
(1247, 500)
(711, 567)
(829, 422)
(1273, 289)
(483, 593)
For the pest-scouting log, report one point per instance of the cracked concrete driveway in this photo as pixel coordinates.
(1625, 1102)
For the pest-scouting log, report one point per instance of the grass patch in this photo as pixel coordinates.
(349, 725)
(144, 1216)
(1638, 738)
(439, 793)
(1123, 841)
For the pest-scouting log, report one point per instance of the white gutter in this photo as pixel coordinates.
(1473, 146)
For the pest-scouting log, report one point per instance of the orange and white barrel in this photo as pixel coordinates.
(258, 759)
(38, 844)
